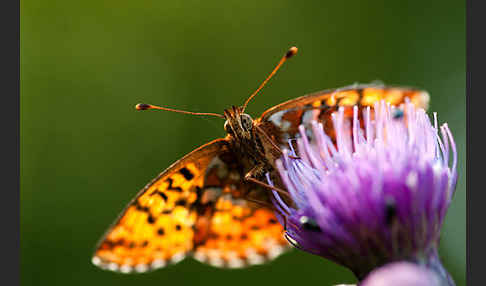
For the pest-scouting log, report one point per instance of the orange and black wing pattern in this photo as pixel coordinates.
(240, 234)
(239, 227)
(187, 210)
(282, 121)
(157, 226)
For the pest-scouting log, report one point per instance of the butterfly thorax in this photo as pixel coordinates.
(244, 140)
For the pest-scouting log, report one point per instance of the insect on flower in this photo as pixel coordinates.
(376, 193)
(214, 204)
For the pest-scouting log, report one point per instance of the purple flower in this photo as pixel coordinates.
(375, 194)
(402, 274)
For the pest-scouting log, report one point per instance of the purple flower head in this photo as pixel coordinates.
(375, 194)
(402, 274)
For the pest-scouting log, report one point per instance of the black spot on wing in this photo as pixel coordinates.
(141, 208)
(172, 188)
(272, 221)
(150, 219)
(109, 244)
(181, 202)
(188, 175)
(161, 194)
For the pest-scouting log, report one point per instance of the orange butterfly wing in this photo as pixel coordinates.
(157, 225)
(180, 212)
(282, 121)
(240, 227)
(240, 235)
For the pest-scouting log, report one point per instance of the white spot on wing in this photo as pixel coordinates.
(200, 256)
(177, 257)
(286, 125)
(275, 251)
(96, 260)
(126, 268)
(158, 263)
(210, 195)
(222, 170)
(236, 263)
(113, 266)
(141, 268)
(276, 118)
(254, 258)
(216, 261)
(310, 115)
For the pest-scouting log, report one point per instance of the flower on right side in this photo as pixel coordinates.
(373, 194)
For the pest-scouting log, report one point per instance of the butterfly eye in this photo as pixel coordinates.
(246, 121)
(227, 127)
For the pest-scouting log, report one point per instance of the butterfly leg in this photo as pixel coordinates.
(258, 172)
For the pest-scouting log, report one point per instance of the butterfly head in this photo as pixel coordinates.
(238, 124)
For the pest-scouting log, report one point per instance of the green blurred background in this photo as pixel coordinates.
(85, 151)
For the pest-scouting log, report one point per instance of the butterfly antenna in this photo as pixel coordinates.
(143, 106)
(292, 51)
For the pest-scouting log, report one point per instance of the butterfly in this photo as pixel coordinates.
(213, 204)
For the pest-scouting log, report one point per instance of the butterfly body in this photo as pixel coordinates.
(242, 136)
(205, 204)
